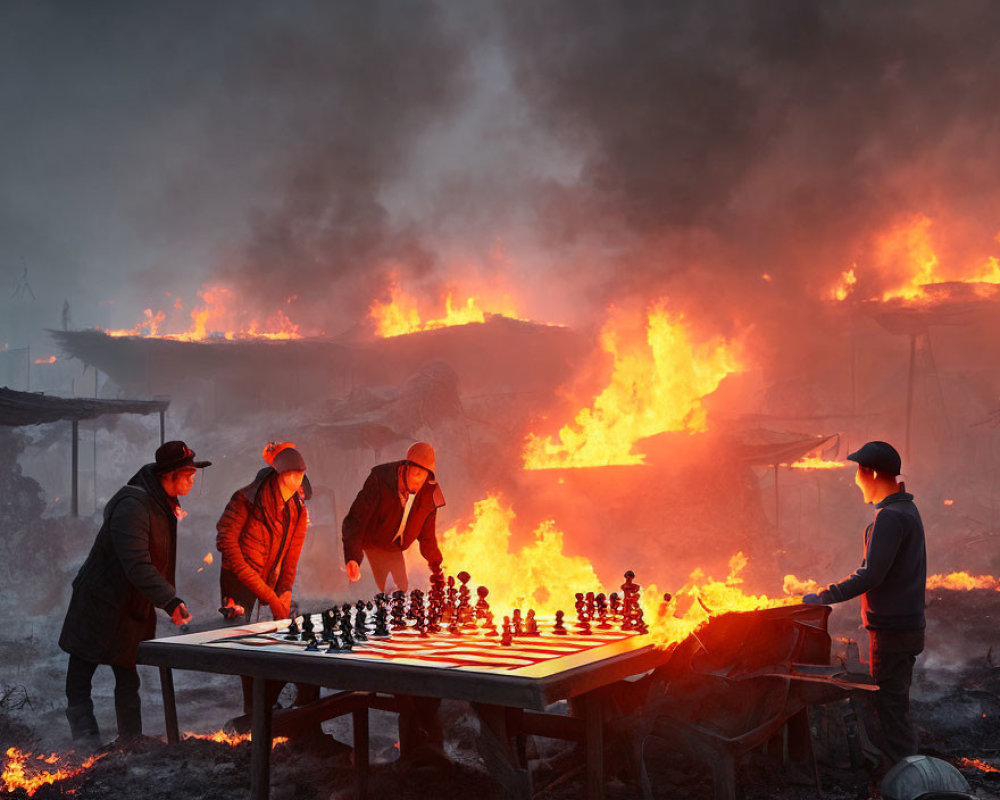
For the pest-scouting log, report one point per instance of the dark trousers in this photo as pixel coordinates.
(80, 706)
(386, 562)
(892, 655)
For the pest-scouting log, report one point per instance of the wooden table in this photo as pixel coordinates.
(509, 688)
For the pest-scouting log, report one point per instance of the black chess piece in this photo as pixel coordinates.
(507, 637)
(361, 624)
(346, 634)
(334, 645)
(531, 624)
(559, 629)
(293, 630)
(307, 628)
(397, 610)
(313, 646)
(381, 628)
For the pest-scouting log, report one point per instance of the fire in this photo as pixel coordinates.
(537, 576)
(907, 258)
(963, 582)
(232, 739)
(815, 462)
(49, 360)
(705, 597)
(31, 772)
(401, 315)
(542, 577)
(659, 376)
(208, 560)
(218, 316)
(975, 763)
(796, 586)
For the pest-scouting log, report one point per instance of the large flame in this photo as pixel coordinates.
(402, 315)
(542, 577)
(659, 376)
(816, 462)
(906, 260)
(219, 315)
(30, 772)
(537, 576)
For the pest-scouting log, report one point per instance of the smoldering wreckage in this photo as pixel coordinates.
(673, 684)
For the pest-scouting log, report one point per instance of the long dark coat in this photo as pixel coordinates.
(377, 511)
(128, 574)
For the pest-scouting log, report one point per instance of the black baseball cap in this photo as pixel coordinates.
(879, 456)
(176, 455)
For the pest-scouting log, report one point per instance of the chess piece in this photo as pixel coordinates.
(489, 627)
(602, 612)
(361, 624)
(293, 630)
(334, 645)
(346, 635)
(307, 629)
(559, 629)
(518, 625)
(615, 607)
(381, 628)
(397, 611)
(531, 624)
(313, 646)
(482, 604)
(507, 638)
(465, 611)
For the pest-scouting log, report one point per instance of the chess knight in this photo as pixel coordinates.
(127, 576)
(396, 507)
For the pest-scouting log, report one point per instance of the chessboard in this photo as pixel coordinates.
(474, 651)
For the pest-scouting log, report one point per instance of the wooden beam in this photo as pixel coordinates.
(169, 705)
(260, 743)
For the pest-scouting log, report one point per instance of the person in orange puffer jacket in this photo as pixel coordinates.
(261, 532)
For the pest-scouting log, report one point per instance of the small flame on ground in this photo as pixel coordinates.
(26, 771)
(218, 316)
(401, 315)
(659, 376)
(232, 739)
(49, 360)
(963, 582)
(975, 763)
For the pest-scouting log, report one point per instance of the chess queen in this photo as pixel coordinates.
(396, 507)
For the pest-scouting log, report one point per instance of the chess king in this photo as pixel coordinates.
(128, 574)
(397, 505)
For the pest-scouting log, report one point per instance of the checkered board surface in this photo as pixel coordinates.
(472, 651)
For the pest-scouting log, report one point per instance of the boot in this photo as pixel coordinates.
(83, 726)
(128, 710)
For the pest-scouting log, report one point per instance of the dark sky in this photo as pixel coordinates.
(624, 149)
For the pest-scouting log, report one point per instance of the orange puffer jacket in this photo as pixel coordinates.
(255, 543)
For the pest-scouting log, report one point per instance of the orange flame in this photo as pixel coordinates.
(963, 582)
(25, 770)
(542, 577)
(975, 763)
(208, 560)
(232, 739)
(815, 462)
(219, 316)
(401, 315)
(907, 258)
(659, 377)
(49, 360)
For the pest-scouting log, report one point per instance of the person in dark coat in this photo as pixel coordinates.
(396, 507)
(127, 576)
(891, 582)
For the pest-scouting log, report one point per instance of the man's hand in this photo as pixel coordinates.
(181, 615)
(353, 571)
(812, 599)
(281, 605)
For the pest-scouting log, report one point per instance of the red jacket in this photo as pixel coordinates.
(257, 545)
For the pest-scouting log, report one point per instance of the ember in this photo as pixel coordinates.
(30, 772)
(975, 763)
(232, 739)
(659, 377)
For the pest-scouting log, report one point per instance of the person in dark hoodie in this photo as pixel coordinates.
(260, 537)
(127, 576)
(891, 582)
(396, 507)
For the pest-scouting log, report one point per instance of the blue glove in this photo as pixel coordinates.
(812, 599)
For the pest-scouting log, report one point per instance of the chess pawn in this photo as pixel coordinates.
(313, 646)
(591, 605)
(507, 637)
(559, 629)
(482, 605)
(307, 628)
(531, 624)
(614, 605)
(293, 630)
(518, 626)
(489, 627)
(638, 623)
(361, 624)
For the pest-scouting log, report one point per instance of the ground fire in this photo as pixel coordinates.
(402, 314)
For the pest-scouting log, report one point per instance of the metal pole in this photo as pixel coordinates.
(75, 499)
(162, 426)
(910, 385)
(777, 504)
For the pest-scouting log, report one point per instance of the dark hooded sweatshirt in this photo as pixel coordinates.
(128, 574)
(893, 575)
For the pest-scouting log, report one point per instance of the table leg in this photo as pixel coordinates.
(500, 757)
(169, 705)
(260, 743)
(593, 720)
(361, 750)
